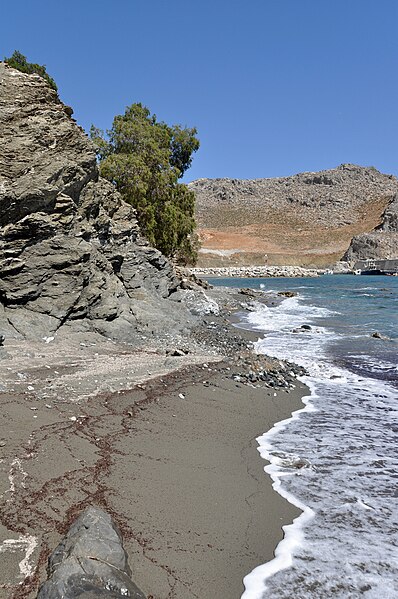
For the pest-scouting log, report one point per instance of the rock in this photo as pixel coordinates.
(71, 253)
(247, 291)
(287, 293)
(257, 271)
(306, 327)
(382, 242)
(377, 335)
(90, 562)
(2, 339)
(177, 352)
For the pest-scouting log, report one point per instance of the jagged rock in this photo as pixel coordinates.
(379, 244)
(390, 217)
(377, 335)
(247, 291)
(90, 562)
(287, 293)
(71, 253)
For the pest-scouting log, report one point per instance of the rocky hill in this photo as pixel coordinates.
(307, 219)
(71, 254)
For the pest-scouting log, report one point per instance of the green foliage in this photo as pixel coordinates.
(145, 158)
(18, 61)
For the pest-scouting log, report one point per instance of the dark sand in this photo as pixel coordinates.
(181, 475)
(198, 493)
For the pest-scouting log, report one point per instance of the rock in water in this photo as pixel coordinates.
(90, 562)
(71, 253)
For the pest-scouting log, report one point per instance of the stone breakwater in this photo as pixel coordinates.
(257, 271)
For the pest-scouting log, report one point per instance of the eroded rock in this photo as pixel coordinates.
(90, 562)
(71, 253)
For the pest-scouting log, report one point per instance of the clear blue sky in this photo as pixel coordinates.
(274, 87)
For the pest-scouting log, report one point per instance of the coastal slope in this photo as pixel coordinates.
(308, 219)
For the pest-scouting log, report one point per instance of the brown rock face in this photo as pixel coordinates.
(308, 219)
(71, 254)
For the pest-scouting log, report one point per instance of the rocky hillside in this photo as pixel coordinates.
(308, 219)
(71, 254)
(379, 244)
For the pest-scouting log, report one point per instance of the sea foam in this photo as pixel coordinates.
(343, 436)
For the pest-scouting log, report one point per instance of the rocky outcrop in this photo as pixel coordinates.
(308, 219)
(390, 217)
(90, 562)
(379, 244)
(71, 253)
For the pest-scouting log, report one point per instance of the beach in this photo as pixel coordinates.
(171, 455)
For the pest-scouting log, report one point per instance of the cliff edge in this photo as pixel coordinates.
(379, 244)
(71, 253)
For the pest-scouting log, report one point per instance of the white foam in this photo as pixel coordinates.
(357, 396)
(293, 537)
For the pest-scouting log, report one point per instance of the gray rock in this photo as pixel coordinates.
(382, 242)
(90, 562)
(71, 253)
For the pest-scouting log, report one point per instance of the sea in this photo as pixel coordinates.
(336, 458)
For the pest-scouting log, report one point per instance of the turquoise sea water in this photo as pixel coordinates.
(345, 544)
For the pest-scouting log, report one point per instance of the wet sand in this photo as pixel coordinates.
(173, 459)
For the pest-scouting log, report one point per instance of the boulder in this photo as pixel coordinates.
(90, 562)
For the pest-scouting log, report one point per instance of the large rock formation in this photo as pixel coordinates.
(90, 562)
(71, 254)
(379, 244)
(308, 219)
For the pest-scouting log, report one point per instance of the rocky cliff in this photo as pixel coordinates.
(379, 244)
(71, 254)
(308, 219)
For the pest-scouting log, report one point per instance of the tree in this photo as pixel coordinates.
(18, 61)
(145, 158)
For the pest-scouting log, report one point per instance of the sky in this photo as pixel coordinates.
(274, 87)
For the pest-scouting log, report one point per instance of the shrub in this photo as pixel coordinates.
(18, 61)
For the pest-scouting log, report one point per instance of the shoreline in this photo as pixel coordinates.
(219, 517)
(167, 447)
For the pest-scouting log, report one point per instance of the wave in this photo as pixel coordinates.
(254, 582)
(371, 406)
